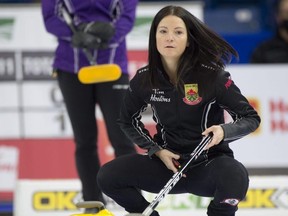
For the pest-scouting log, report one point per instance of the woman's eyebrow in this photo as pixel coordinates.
(178, 27)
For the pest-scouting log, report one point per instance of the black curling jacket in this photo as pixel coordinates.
(180, 119)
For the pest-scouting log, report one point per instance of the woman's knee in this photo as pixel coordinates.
(104, 177)
(113, 174)
(232, 184)
(232, 181)
(239, 180)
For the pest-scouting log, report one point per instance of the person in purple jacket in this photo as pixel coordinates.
(101, 27)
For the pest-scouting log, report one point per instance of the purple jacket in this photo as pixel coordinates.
(119, 12)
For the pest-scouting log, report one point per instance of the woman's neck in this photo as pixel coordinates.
(170, 66)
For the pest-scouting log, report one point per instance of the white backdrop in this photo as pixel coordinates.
(266, 88)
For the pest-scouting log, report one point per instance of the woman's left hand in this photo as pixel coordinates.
(218, 135)
(167, 158)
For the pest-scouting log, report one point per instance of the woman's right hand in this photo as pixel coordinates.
(167, 158)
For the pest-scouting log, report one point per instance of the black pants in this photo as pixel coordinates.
(81, 100)
(223, 178)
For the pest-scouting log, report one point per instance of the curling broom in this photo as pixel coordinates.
(94, 73)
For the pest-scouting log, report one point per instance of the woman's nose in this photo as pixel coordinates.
(170, 37)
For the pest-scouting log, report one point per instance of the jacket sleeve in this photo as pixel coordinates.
(230, 98)
(130, 118)
(54, 24)
(124, 13)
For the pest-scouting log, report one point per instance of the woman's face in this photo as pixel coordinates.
(171, 37)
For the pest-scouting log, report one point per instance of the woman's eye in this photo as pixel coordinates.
(162, 31)
(179, 32)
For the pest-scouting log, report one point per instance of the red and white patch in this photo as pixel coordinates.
(228, 83)
(232, 202)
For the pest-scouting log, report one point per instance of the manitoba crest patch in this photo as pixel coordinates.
(191, 94)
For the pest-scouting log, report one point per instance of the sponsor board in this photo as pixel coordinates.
(9, 156)
(266, 195)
